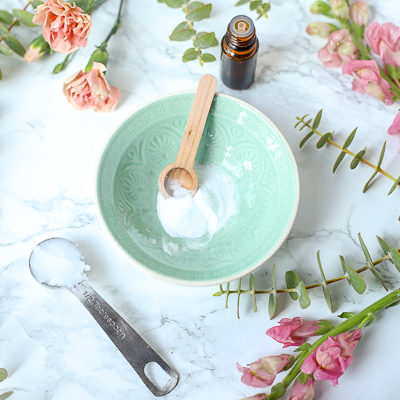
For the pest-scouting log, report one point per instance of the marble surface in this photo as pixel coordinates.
(48, 157)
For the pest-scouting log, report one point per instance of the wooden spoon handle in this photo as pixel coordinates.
(197, 119)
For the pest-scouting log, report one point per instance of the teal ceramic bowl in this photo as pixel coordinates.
(237, 138)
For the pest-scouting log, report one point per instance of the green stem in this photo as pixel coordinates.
(115, 26)
(345, 326)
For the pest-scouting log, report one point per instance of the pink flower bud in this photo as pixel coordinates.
(331, 359)
(394, 129)
(262, 372)
(37, 49)
(293, 332)
(321, 29)
(340, 8)
(65, 26)
(91, 90)
(359, 12)
(302, 391)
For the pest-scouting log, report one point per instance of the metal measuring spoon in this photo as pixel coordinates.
(136, 351)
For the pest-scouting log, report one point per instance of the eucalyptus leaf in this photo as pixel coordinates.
(3, 28)
(357, 158)
(344, 267)
(328, 297)
(306, 123)
(263, 9)
(6, 395)
(301, 121)
(272, 303)
(338, 161)
(323, 140)
(254, 4)
(207, 57)
(378, 165)
(84, 4)
(5, 51)
(349, 139)
(6, 17)
(395, 185)
(252, 285)
(292, 281)
(355, 280)
(199, 13)
(304, 300)
(36, 3)
(15, 45)
(205, 40)
(3, 374)
(190, 54)
(305, 138)
(241, 2)
(182, 32)
(395, 255)
(175, 3)
(25, 17)
(384, 246)
(317, 120)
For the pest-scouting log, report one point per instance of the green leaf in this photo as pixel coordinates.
(278, 390)
(301, 120)
(175, 3)
(357, 158)
(100, 55)
(6, 395)
(5, 51)
(349, 139)
(272, 303)
(317, 120)
(3, 374)
(302, 378)
(1, 75)
(384, 245)
(15, 45)
(254, 4)
(324, 327)
(338, 161)
(355, 280)
(392, 189)
(207, 57)
(303, 347)
(395, 255)
(241, 2)
(205, 40)
(190, 54)
(305, 138)
(346, 315)
(6, 17)
(344, 269)
(182, 32)
(198, 12)
(378, 165)
(327, 293)
(263, 9)
(25, 17)
(306, 123)
(3, 29)
(36, 3)
(304, 300)
(323, 140)
(292, 281)
(252, 285)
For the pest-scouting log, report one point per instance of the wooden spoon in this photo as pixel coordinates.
(182, 169)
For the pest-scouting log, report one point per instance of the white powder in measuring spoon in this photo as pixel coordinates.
(205, 213)
(58, 262)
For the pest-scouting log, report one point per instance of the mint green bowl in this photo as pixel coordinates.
(262, 169)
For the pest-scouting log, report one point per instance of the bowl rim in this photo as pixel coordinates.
(187, 282)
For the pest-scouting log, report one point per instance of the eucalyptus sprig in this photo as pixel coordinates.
(324, 138)
(298, 290)
(260, 7)
(4, 375)
(194, 11)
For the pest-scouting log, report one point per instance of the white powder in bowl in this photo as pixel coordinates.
(58, 262)
(205, 213)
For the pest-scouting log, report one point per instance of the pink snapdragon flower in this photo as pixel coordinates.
(384, 40)
(394, 129)
(65, 26)
(339, 49)
(293, 332)
(367, 79)
(262, 372)
(321, 29)
(90, 90)
(302, 391)
(359, 12)
(333, 357)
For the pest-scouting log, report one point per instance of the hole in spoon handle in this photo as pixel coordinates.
(132, 346)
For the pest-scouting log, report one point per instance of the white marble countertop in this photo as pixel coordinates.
(48, 156)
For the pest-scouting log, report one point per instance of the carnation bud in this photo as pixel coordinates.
(340, 9)
(359, 12)
(321, 29)
(100, 55)
(37, 49)
(320, 7)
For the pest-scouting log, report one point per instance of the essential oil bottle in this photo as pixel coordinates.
(239, 53)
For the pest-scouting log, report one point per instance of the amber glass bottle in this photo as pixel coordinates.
(239, 53)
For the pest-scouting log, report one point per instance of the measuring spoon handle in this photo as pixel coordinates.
(136, 351)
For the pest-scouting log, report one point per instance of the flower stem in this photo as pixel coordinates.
(353, 322)
(115, 26)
